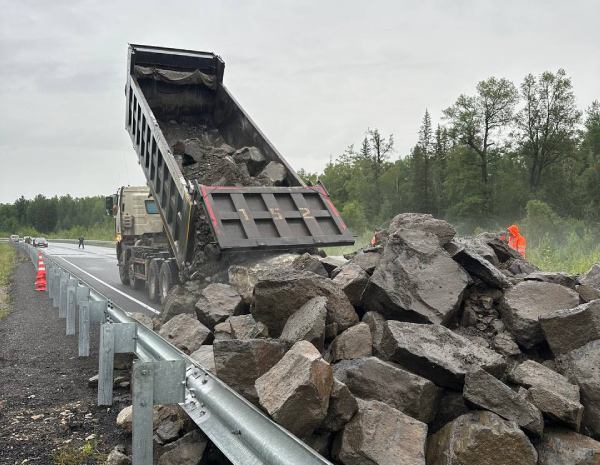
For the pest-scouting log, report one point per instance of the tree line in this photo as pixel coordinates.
(52, 215)
(492, 152)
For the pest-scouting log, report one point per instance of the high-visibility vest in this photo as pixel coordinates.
(518, 243)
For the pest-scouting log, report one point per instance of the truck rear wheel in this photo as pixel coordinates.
(167, 279)
(152, 285)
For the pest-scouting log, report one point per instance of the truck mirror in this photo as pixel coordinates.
(108, 202)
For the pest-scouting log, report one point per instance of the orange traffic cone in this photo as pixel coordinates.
(40, 279)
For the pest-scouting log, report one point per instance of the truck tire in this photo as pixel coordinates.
(167, 278)
(135, 283)
(124, 271)
(152, 285)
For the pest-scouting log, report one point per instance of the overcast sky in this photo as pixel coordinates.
(313, 74)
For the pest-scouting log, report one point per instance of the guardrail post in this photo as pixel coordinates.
(98, 311)
(56, 274)
(83, 305)
(115, 338)
(71, 306)
(62, 304)
(153, 383)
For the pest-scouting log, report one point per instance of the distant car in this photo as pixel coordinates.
(14, 238)
(40, 242)
(27, 239)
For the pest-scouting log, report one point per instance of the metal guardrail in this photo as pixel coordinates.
(162, 374)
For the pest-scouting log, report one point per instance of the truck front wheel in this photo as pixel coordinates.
(167, 279)
(124, 271)
(152, 285)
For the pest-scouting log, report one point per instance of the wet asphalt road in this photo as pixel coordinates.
(97, 267)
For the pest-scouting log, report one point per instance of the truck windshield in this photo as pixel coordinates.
(151, 207)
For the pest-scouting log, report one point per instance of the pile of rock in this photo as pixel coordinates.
(427, 349)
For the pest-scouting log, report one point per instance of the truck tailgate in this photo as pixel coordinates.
(273, 217)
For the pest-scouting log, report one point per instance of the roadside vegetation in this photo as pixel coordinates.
(7, 260)
(86, 454)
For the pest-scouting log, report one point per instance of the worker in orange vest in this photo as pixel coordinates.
(516, 240)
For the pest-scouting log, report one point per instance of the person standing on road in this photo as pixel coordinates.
(81, 246)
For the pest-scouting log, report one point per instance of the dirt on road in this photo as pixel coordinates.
(48, 413)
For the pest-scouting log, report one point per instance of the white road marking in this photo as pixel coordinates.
(147, 307)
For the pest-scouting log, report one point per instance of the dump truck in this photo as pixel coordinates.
(217, 189)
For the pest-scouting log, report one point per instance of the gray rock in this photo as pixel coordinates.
(480, 438)
(240, 363)
(526, 302)
(591, 277)
(481, 268)
(331, 262)
(186, 451)
(581, 367)
(550, 392)
(564, 279)
(381, 435)
(521, 267)
(587, 293)
(274, 172)
(504, 344)
(355, 342)
(500, 247)
(376, 324)
(117, 456)
(185, 332)
(307, 323)
(477, 245)
(205, 355)
(487, 392)
(244, 277)
(245, 327)
(296, 390)
(352, 279)
(443, 230)
(452, 405)
(125, 418)
(342, 407)
(217, 303)
(563, 447)
(373, 379)
(143, 319)
(308, 262)
(368, 261)
(177, 303)
(252, 157)
(436, 353)
(295, 288)
(168, 430)
(223, 331)
(571, 328)
(416, 280)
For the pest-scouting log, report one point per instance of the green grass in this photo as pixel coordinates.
(575, 255)
(360, 241)
(7, 260)
(85, 454)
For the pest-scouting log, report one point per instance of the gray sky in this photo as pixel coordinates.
(312, 74)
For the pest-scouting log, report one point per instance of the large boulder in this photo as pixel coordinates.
(332, 262)
(571, 328)
(381, 435)
(308, 262)
(555, 277)
(185, 332)
(294, 288)
(485, 391)
(245, 327)
(592, 277)
(240, 363)
(452, 405)
(178, 302)
(480, 438)
(376, 324)
(355, 342)
(416, 280)
(373, 379)
(477, 245)
(481, 268)
(587, 293)
(307, 324)
(296, 390)
(353, 280)
(581, 367)
(443, 230)
(563, 447)
(185, 451)
(205, 356)
(244, 277)
(117, 456)
(342, 407)
(367, 260)
(437, 353)
(550, 392)
(526, 302)
(217, 303)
